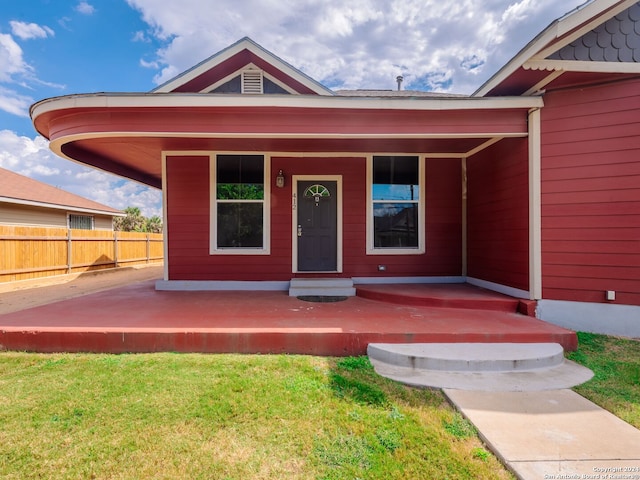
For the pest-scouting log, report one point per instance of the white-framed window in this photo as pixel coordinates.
(395, 205)
(239, 204)
(80, 222)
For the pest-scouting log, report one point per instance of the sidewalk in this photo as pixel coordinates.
(552, 434)
(24, 294)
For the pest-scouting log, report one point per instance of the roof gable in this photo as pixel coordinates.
(616, 40)
(244, 55)
(600, 37)
(16, 188)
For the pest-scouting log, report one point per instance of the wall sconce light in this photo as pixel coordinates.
(280, 179)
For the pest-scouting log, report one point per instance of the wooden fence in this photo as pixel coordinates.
(32, 252)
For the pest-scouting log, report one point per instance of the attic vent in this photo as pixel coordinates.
(252, 81)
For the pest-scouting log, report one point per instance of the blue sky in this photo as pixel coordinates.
(62, 47)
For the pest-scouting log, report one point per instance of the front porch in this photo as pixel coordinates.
(138, 318)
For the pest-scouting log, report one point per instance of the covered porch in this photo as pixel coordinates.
(476, 179)
(138, 318)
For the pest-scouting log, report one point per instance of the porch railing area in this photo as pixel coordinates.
(33, 252)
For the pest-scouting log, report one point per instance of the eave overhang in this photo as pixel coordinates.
(67, 208)
(126, 134)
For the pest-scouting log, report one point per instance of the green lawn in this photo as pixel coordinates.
(226, 417)
(616, 366)
(254, 417)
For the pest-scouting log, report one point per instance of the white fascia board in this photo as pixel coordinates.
(555, 30)
(55, 206)
(243, 44)
(126, 100)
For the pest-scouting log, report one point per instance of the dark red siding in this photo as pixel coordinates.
(188, 222)
(591, 193)
(498, 214)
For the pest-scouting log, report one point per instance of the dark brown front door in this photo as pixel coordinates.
(317, 226)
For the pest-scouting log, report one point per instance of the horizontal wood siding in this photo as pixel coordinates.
(443, 217)
(27, 215)
(591, 193)
(497, 214)
(188, 222)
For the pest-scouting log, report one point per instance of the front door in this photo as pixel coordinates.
(317, 225)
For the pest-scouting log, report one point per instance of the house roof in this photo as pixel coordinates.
(599, 37)
(16, 188)
(205, 110)
(396, 94)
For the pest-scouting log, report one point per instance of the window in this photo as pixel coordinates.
(395, 199)
(238, 204)
(80, 222)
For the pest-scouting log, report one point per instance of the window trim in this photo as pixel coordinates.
(213, 210)
(421, 248)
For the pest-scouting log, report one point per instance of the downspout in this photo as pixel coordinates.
(535, 210)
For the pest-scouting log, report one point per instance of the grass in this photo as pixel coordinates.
(615, 363)
(226, 417)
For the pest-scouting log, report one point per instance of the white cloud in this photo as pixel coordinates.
(28, 31)
(14, 103)
(145, 64)
(436, 44)
(85, 8)
(140, 36)
(32, 157)
(11, 58)
(15, 71)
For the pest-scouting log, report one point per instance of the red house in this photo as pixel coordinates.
(531, 186)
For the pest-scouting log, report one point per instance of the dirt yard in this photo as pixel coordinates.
(25, 294)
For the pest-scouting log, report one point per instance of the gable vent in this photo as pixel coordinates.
(252, 81)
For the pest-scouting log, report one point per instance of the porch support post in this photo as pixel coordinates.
(535, 211)
(463, 162)
(165, 218)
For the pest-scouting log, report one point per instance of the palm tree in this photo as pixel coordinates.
(133, 222)
(153, 224)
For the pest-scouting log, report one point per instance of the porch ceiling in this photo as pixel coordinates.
(128, 139)
(139, 158)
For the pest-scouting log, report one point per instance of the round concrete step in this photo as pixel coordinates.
(516, 367)
(469, 357)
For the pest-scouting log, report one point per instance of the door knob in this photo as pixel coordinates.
(299, 230)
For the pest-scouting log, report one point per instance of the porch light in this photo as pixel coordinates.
(280, 179)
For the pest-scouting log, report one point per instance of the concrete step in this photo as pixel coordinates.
(321, 287)
(469, 357)
(439, 295)
(478, 366)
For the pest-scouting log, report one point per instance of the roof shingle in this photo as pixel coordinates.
(16, 188)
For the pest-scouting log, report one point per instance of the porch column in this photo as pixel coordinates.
(535, 211)
(464, 216)
(165, 220)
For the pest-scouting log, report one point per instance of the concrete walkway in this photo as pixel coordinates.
(552, 434)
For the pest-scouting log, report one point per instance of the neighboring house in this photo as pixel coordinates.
(28, 202)
(530, 187)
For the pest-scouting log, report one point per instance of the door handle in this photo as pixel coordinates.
(299, 230)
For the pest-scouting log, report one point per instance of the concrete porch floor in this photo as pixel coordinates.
(137, 318)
